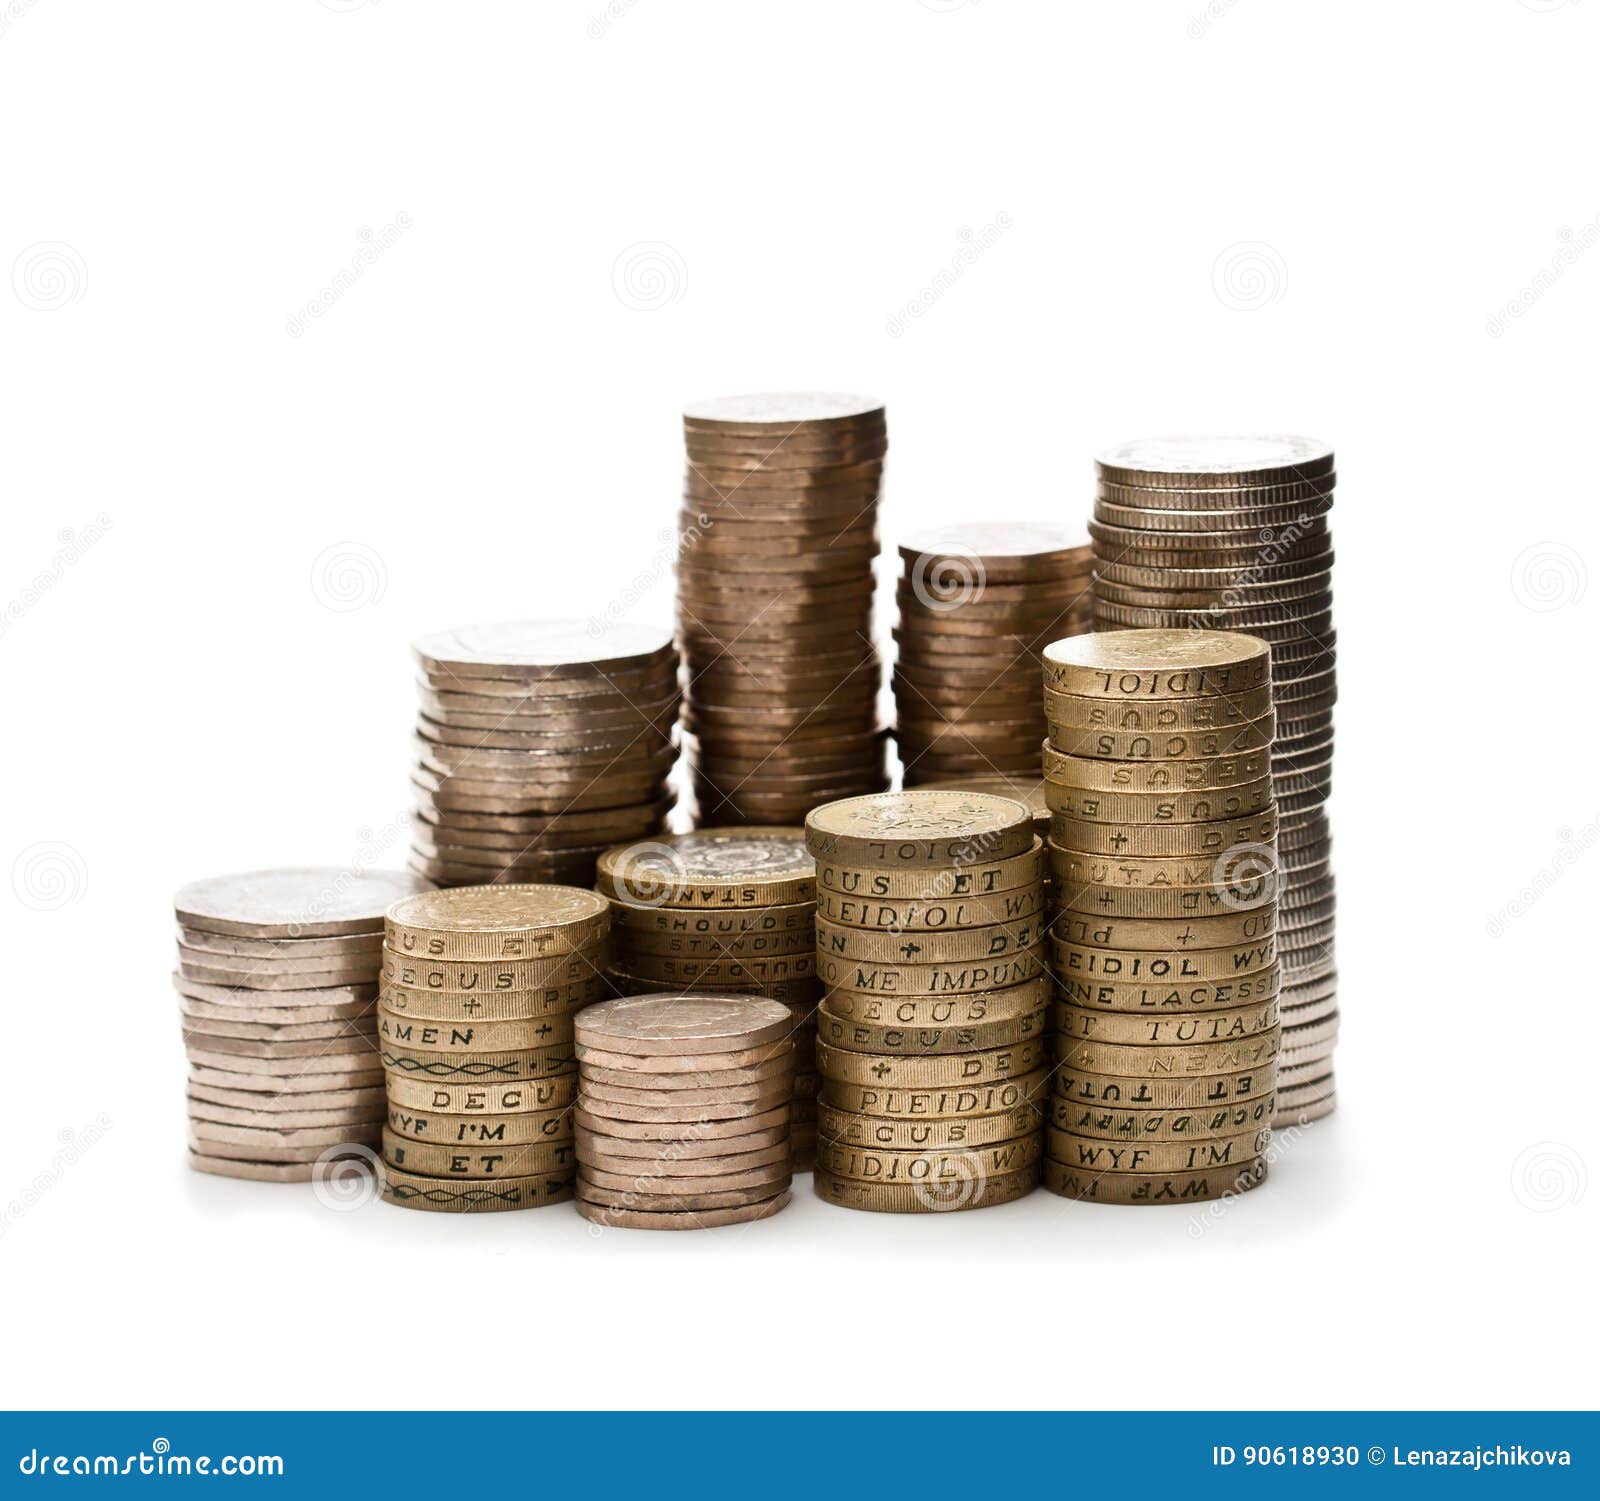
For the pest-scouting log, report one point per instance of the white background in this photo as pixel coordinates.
(484, 425)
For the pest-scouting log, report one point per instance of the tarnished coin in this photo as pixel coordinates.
(676, 1218)
(952, 946)
(657, 1025)
(305, 902)
(487, 1098)
(1095, 1154)
(1153, 1188)
(1197, 1123)
(473, 1160)
(948, 1195)
(976, 878)
(505, 922)
(466, 1196)
(518, 1129)
(654, 1065)
(537, 649)
(711, 868)
(1098, 1025)
(1151, 664)
(898, 830)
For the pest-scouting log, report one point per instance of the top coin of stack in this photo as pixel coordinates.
(683, 1113)
(277, 977)
(931, 1034)
(1232, 534)
(480, 988)
(776, 546)
(1162, 836)
(977, 604)
(723, 910)
(540, 743)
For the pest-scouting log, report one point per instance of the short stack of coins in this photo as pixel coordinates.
(475, 1029)
(977, 603)
(775, 577)
(1232, 534)
(1162, 838)
(724, 910)
(540, 743)
(932, 1035)
(277, 981)
(683, 1111)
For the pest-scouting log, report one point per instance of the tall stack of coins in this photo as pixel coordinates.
(683, 1111)
(1162, 834)
(1232, 534)
(480, 987)
(724, 910)
(776, 544)
(277, 979)
(932, 1032)
(978, 602)
(539, 743)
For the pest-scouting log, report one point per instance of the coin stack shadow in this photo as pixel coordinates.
(1232, 534)
(932, 1031)
(277, 979)
(724, 911)
(776, 543)
(977, 603)
(1162, 842)
(683, 1111)
(475, 1023)
(539, 743)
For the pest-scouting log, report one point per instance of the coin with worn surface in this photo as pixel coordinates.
(476, 1160)
(1156, 664)
(1100, 1025)
(410, 1124)
(485, 1098)
(304, 902)
(679, 1219)
(1196, 1123)
(919, 829)
(983, 876)
(656, 1025)
(1214, 461)
(503, 922)
(536, 649)
(468, 1196)
(780, 1049)
(1153, 1188)
(860, 1037)
(871, 1009)
(960, 1191)
(711, 868)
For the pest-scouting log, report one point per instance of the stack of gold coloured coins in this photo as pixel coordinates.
(1232, 534)
(776, 546)
(932, 1033)
(977, 604)
(539, 744)
(277, 978)
(1162, 837)
(724, 910)
(683, 1111)
(480, 986)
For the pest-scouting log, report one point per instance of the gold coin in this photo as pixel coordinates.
(481, 1131)
(518, 1097)
(1196, 1122)
(1079, 836)
(980, 877)
(1076, 1022)
(1163, 903)
(1094, 1155)
(886, 1070)
(729, 923)
(932, 1166)
(1249, 870)
(1153, 1188)
(487, 977)
(947, 1196)
(1104, 745)
(918, 830)
(501, 1005)
(709, 946)
(466, 1196)
(1162, 808)
(1152, 664)
(844, 1127)
(477, 1161)
(910, 915)
(1147, 776)
(474, 1036)
(1162, 1063)
(875, 1010)
(666, 972)
(937, 1102)
(1156, 716)
(1130, 1092)
(1133, 966)
(930, 979)
(952, 946)
(466, 1068)
(744, 867)
(1228, 929)
(858, 1037)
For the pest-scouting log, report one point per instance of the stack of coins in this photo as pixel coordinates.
(277, 979)
(932, 1033)
(1232, 534)
(539, 744)
(978, 603)
(683, 1111)
(724, 910)
(480, 986)
(1162, 840)
(776, 547)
